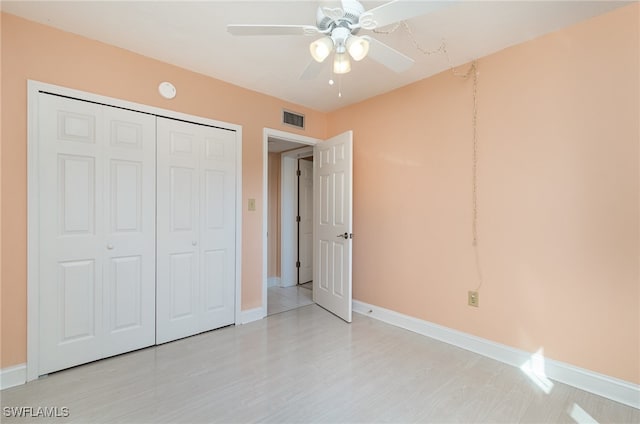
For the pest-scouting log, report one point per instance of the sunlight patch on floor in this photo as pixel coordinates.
(534, 369)
(581, 416)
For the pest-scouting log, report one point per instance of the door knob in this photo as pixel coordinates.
(110, 246)
(194, 243)
(344, 236)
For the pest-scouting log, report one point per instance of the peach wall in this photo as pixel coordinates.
(558, 188)
(38, 52)
(273, 248)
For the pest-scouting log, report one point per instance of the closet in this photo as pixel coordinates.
(136, 230)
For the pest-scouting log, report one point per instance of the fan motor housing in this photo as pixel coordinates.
(352, 9)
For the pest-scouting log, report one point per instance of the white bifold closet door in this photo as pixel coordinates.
(97, 231)
(196, 176)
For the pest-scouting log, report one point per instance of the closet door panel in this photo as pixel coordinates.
(71, 223)
(130, 201)
(177, 288)
(218, 227)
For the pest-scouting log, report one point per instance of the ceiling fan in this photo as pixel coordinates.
(339, 28)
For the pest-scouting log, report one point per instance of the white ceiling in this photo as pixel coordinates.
(193, 35)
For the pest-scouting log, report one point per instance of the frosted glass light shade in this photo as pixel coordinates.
(341, 63)
(321, 48)
(357, 47)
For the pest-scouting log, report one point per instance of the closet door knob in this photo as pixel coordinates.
(110, 246)
(194, 243)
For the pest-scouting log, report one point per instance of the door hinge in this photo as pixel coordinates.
(297, 264)
(298, 172)
(298, 218)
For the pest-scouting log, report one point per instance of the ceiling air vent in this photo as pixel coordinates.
(293, 119)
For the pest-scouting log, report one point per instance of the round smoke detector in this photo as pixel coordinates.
(167, 90)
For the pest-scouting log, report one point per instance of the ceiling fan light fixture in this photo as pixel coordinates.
(357, 47)
(341, 63)
(321, 48)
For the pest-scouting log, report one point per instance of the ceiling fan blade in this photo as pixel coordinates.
(313, 70)
(272, 29)
(387, 56)
(396, 11)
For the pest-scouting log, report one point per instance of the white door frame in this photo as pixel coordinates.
(288, 204)
(282, 135)
(33, 208)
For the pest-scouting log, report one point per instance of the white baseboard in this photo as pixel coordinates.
(273, 281)
(612, 388)
(13, 376)
(251, 315)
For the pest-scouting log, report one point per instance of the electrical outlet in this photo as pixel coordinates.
(473, 298)
(252, 204)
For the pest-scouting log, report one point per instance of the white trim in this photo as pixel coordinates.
(273, 282)
(250, 315)
(111, 101)
(282, 135)
(265, 217)
(239, 204)
(612, 388)
(33, 232)
(33, 210)
(13, 376)
(287, 136)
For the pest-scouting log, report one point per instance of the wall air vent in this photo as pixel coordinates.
(292, 118)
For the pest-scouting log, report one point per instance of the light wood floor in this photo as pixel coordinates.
(281, 299)
(306, 365)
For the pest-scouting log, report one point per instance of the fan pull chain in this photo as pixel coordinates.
(472, 73)
(441, 49)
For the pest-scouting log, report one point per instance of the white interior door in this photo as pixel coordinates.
(196, 229)
(333, 204)
(97, 231)
(305, 229)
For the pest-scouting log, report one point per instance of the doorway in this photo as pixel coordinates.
(288, 236)
(333, 214)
